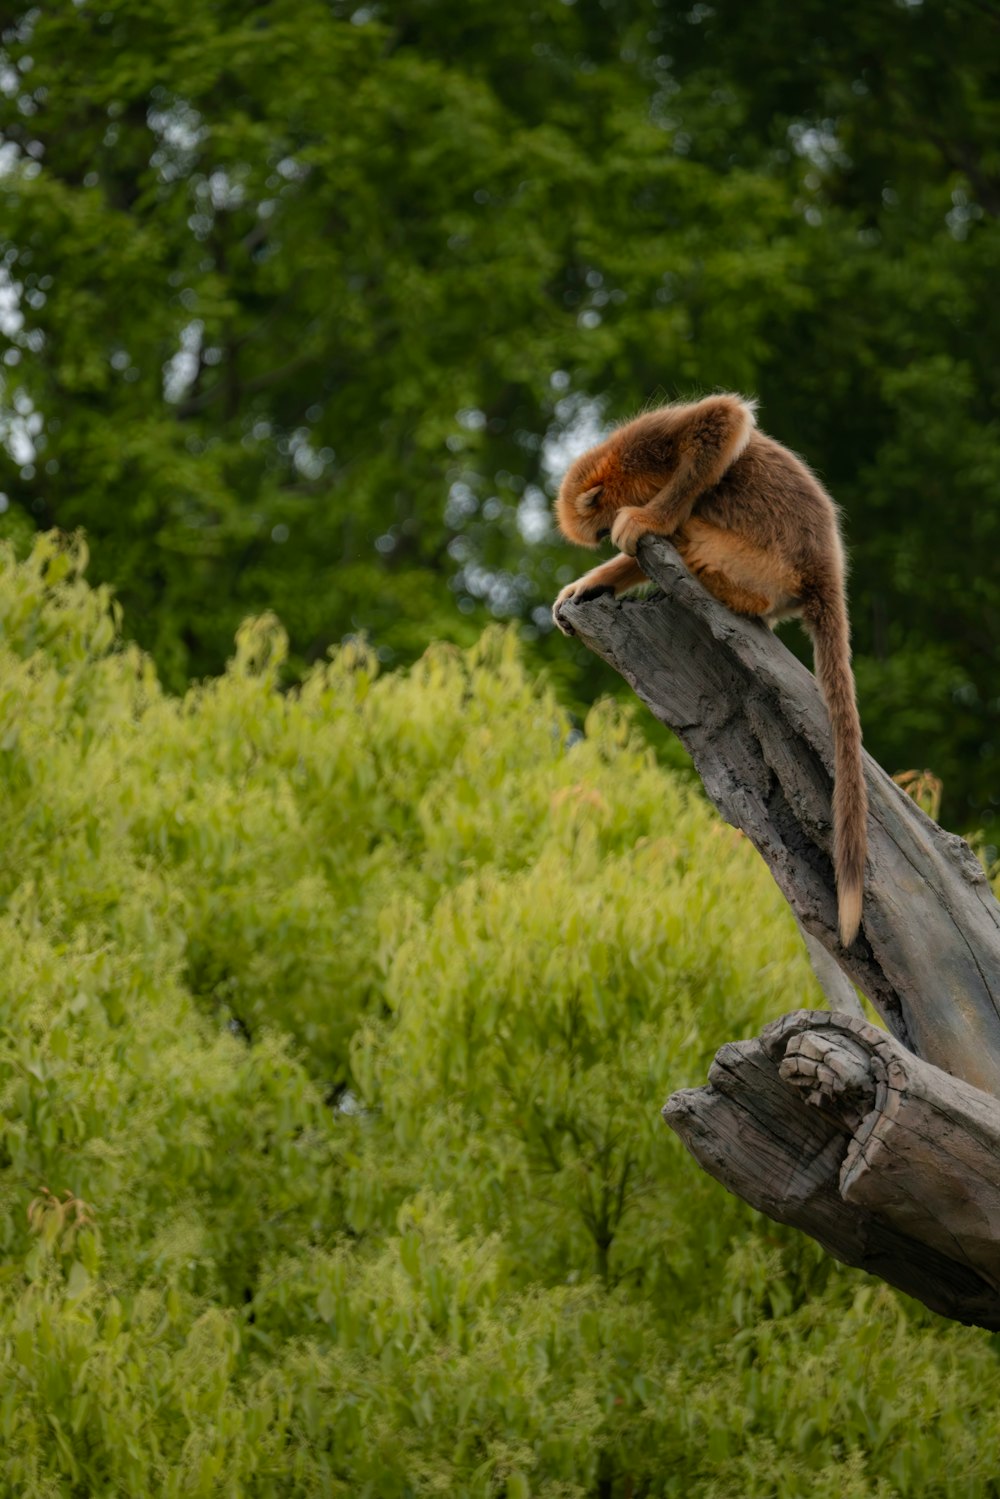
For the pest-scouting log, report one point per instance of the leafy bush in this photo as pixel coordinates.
(333, 1030)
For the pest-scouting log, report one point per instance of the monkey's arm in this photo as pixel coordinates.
(611, 577)
(711, 436)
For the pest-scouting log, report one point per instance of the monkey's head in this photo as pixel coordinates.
(629, 468)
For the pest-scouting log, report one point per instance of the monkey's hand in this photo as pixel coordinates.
(631, 522)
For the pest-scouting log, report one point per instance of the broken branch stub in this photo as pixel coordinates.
(828, 1124)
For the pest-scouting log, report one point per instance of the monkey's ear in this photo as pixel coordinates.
(590, 498)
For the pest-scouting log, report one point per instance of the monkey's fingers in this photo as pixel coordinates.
(563, 595)
(560, 623)
(631, 522)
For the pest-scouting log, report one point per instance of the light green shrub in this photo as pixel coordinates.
(334, 1027)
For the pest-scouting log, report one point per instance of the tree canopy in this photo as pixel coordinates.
(302, 303)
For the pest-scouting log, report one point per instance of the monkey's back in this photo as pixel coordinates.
(773, 501)
(765, 539)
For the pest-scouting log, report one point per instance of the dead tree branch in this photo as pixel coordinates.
(885, 1148)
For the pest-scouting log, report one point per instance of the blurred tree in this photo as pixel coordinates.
(291, 292)
(303, 304)
(884, 121)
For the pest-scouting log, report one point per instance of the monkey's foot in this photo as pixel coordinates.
(614, 577)
(580, 591)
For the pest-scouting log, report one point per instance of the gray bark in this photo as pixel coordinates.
(754, 723)
(885, 1148)
(828, 1124)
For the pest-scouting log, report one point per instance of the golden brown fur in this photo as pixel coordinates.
(761, 534)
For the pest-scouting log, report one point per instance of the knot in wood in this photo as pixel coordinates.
(833, 1071)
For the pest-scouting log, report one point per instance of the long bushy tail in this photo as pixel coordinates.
(827, 621)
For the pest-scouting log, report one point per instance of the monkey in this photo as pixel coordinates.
(758, 530)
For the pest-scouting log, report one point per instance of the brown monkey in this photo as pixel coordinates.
(759, 532)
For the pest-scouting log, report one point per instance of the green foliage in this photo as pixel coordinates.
(333, 1029)
(301, 302)
(287, 277)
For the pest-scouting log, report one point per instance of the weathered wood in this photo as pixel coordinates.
(751, 716)
(829, 1124)
(840, 992)
(825, 1122)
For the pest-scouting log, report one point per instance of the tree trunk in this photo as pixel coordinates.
(889, 1162)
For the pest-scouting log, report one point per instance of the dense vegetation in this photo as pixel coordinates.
(333, 1027)
(334, 1021)
(300, 300)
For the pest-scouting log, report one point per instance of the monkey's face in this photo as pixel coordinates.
(595, 488)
